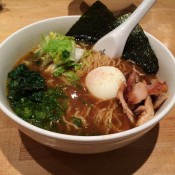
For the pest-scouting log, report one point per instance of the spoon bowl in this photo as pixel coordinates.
(113, 43)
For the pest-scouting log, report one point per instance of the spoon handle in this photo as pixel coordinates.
(137, 15)
(114, 42)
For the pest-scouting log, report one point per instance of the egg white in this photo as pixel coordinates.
(104, 82)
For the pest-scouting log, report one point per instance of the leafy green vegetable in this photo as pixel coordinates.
(35, 103)
(93, 24)
(56, 48)
(77, 121)
(59, 71)
(18, 72)
(71, 76)
(59, 50)
(41, 112)
(22, 81)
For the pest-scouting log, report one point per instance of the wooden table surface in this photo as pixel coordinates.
(153, 154)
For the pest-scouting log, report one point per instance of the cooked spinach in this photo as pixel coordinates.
(22, 79)
(32, 101)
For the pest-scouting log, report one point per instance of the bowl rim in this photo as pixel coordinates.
(85, 139)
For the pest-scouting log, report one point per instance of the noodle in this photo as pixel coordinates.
(68, 124)
(97, 59)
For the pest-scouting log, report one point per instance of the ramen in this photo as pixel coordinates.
(71, 89)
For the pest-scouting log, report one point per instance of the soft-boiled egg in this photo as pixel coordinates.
(104, 82)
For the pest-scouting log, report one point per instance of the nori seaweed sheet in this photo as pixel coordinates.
(93, 24)
(98, 21)
(138, 49)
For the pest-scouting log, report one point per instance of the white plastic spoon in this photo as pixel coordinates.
(114, 42)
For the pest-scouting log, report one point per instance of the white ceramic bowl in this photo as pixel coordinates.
(113, 5)
(19, 43)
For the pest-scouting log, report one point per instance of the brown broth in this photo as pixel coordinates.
(85, 107)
